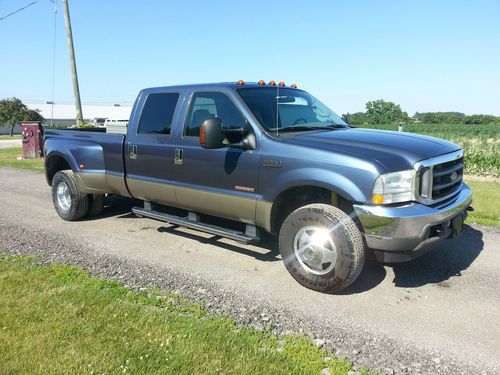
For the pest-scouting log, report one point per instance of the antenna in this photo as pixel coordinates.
(277, 109)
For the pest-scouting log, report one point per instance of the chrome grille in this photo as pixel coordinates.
(447, 178)
(439, 178)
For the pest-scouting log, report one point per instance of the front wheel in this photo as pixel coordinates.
(322, 247)
(69, 203)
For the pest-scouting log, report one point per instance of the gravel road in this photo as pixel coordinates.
(439, 314)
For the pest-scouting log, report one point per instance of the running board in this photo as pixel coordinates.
(251, 235)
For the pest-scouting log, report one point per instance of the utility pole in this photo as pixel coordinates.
(71, 50)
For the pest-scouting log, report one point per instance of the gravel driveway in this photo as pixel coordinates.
(437, 314)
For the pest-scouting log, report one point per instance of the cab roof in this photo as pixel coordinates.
(228, 85)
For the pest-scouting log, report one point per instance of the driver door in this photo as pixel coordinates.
(221, 182)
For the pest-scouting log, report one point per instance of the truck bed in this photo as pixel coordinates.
(91, 152)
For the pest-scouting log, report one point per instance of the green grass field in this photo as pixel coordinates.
(481, 143)
(9, 158)
(58, 320)
(486, 203)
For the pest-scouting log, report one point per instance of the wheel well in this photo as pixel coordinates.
(293, 198)
(55, 164)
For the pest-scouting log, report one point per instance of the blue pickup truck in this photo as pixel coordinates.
(268, 157)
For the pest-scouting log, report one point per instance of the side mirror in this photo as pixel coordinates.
(345, 118)
(211, 135)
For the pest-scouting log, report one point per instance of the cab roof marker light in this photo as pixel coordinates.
(272, 83)
(240, 82)
(262, 82)
(293, 86)
(282, 83)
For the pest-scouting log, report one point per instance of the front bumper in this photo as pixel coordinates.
(404, 232)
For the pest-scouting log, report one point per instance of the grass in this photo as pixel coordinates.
(58, 320)
(8, 158)
(6, 136)
(486, 203)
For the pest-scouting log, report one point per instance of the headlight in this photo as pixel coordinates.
(394, 187)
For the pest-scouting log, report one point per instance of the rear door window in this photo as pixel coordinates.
(156, 117)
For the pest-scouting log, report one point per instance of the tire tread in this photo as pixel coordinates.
(80, 201)
(96, 205)
(351, 231)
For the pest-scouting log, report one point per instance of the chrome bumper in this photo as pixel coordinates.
(411, 228)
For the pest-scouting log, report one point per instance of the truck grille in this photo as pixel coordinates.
(447, 178)
(439, 178)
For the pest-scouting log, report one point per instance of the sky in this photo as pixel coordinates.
(424, 55)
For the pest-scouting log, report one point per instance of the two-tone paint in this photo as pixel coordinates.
(231, 182)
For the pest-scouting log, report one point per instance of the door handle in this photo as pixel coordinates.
(133, 153)
(178, 156)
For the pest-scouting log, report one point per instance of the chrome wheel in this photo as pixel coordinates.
(63, 197)
(315, 250)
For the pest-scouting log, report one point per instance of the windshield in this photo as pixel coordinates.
(297, 110)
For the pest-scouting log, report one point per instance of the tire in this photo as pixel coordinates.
(307, 245)
(69, 203)
(96, 204)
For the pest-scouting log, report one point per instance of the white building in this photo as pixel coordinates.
(65, 114)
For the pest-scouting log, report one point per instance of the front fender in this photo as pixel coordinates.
(355, 188)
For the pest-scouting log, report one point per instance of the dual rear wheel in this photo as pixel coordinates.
(69, 202)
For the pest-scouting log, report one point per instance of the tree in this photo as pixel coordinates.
(13, 111)
(440, 117)
(382, 112)
(481, 119)
(455, 118)
(358, 118)
(33, 115)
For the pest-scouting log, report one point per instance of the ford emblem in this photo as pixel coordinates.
(454, 176)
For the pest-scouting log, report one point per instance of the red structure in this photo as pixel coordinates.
(32, 133)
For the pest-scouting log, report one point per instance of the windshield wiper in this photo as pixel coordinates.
(335, 126)
(307, 128)
(299, 128)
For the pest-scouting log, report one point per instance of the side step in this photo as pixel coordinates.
(251, 234)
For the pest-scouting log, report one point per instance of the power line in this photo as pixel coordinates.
(17, 11)
(70, 102)
(54, 61)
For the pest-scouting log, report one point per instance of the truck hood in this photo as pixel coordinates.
(394, 150)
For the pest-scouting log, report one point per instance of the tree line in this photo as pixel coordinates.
(13, 111)
(382, 112)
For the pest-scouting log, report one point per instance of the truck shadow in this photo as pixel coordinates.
(268, 244)
(265, 250)
(372, 275)
(447, 260)
(117, 206)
